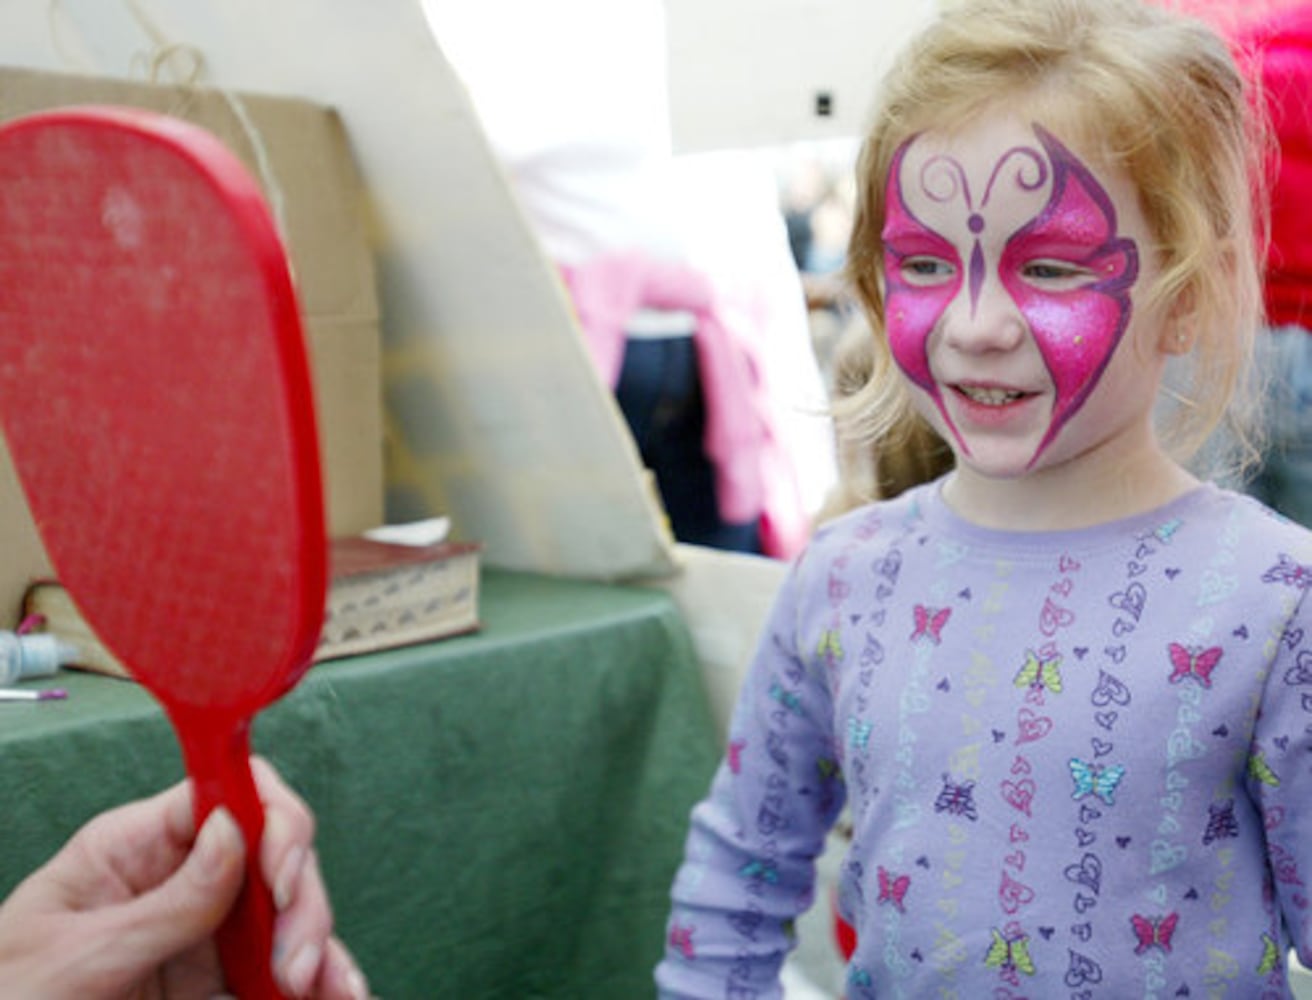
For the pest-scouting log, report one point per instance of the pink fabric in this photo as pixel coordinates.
(752, 476)
(1282, 48)
(1272, 41)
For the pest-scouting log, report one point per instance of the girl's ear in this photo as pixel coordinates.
(1180, 330)
(1177, 337)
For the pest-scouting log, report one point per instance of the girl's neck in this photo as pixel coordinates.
(1093, 489)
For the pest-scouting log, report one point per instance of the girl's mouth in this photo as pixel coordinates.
(991, 395)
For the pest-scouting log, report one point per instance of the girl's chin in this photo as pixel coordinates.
(1001, 442)
(993, 458)
(1000, 469)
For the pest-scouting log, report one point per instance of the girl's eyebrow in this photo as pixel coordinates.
(1066, 228)
(902, 228)
(909, 230)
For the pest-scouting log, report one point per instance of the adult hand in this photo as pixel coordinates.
(129, 906)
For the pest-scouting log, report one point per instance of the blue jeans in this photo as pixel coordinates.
(1284, 478)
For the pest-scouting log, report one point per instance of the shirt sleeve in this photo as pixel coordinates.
(749, 862)
(1280, 775)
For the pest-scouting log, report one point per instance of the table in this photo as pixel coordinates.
(501, 814)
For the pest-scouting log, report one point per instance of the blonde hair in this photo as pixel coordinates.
(1154, 93)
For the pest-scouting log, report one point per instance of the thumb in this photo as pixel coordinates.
(189, 905)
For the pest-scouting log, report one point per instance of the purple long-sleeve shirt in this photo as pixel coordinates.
(1078, 764)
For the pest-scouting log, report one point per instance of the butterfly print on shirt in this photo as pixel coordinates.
(1193, 662)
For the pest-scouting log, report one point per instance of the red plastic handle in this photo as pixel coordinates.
(216, 750)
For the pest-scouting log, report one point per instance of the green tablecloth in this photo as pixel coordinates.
(500, 814)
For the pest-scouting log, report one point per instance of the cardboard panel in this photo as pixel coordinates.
(299, 152)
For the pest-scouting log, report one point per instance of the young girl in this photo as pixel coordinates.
(1066, 690)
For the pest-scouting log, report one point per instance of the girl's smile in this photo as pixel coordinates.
(992, 404)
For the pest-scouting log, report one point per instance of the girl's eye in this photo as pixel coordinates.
(927, 270)
(1056, 274)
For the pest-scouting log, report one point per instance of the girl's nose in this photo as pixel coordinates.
(983, 319)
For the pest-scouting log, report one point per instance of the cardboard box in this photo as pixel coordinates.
(299, 152)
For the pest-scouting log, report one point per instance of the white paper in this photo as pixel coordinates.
(429, 531)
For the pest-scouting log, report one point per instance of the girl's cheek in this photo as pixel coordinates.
(910, 321)
(910, 317)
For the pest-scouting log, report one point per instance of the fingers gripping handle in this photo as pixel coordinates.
(217, 755)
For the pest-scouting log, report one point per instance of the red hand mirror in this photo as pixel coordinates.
(156, 398)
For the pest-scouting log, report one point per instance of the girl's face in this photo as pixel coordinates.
(1012, 268)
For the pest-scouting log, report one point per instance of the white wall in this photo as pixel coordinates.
(741, 73)
(747, 72)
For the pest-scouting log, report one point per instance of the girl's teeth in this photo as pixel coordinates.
(990, 397)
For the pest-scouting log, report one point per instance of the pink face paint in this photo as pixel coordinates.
(912, 311)
(1076, 328)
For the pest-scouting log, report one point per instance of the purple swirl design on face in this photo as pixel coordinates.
(1076, 329)
(943, 167)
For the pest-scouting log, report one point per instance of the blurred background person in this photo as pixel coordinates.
(1272, 42)
(1278, 48)
(679, 268)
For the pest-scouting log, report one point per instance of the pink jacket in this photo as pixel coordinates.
(753, 477)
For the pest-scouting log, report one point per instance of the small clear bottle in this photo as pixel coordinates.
(26, 656)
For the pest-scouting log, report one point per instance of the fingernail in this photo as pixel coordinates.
(285, 883)
(356, 986)
(302, 969)
(218, 836)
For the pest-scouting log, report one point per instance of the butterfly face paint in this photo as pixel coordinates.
(1033, 221)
